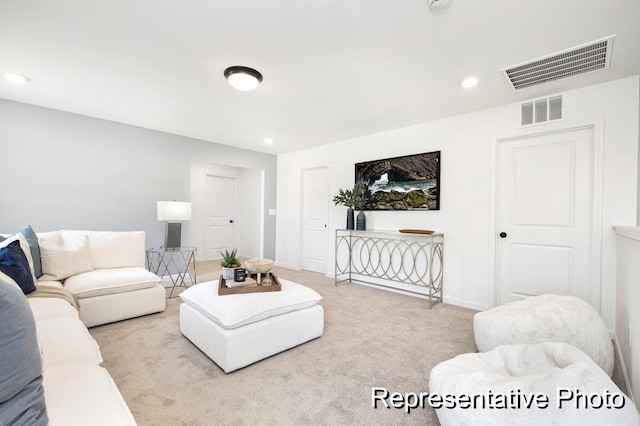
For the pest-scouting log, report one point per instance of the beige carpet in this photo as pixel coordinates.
(372, 338)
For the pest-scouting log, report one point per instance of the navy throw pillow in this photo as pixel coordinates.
(32, 239)
(14, 263)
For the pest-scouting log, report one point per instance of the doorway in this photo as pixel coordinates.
(227, 210)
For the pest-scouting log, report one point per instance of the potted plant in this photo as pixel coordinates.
(229, 263)
(352, 199)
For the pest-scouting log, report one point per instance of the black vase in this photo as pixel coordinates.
(361, 221)
(350, 218)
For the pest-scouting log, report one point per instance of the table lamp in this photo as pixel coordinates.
(173, 212)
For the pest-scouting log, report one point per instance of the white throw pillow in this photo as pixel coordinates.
(62, 261)
(236, 310)
(112, 249)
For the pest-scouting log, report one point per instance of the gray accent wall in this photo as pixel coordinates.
(67, 171)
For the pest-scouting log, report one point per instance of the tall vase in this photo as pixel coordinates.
(361, 221)
(350, 218)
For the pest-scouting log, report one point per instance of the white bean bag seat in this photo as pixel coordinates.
(556, 371)
(546, 318)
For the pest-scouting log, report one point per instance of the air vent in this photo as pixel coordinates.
(541, 110)
(582, 59)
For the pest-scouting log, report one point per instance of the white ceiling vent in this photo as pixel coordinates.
(582, 59)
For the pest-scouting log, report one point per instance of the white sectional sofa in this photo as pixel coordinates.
(104, 270)
(50, 372)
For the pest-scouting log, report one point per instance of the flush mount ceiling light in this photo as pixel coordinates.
(470, 82)
(243, 78)
(16, 78)
(268, 141)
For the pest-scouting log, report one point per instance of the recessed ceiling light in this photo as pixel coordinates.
(16, 78)
(470, 82)
(268, 141)
(243, 78)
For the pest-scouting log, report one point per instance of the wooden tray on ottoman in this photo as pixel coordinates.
(223, 290)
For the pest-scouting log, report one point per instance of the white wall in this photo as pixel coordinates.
(67, 171)
(467, 164)
(627, 301)
(249, 199)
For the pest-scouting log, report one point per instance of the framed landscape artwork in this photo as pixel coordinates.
(411, 182)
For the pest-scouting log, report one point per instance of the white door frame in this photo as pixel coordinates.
(301, 242)
(596, 127)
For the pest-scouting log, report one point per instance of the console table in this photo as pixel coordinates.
(161, 261)
(386, 257)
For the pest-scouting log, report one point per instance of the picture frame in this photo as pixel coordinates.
(410, 182)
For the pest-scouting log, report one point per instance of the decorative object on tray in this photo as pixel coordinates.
(352, 199)
(415, 231)
(223, 290)
(246, 283)
(259, 267)
(239, 275)
(229, 263)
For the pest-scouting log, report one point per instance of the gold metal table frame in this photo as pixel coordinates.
(415, 259)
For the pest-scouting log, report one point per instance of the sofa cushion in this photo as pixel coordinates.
(21, 392)
(60, 261)
(236, 310)
(14, 264)
(112, 249)
(65, 340)
(83, 393)
(48, 307)
(109, 281)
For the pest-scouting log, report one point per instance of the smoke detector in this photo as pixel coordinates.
(439, 4)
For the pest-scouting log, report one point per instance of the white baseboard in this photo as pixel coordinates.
(284, 265)
(623, 367)
(466, 304)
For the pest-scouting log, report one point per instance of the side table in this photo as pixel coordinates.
(174, 263)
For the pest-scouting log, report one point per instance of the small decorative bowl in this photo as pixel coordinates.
(258, 266)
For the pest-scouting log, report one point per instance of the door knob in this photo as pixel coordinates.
(231, 221)
(503, 235)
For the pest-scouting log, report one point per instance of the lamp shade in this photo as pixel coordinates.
(174, 211)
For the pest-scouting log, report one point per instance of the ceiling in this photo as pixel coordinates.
(333, 69)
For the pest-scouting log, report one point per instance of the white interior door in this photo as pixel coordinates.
(545, 214)
(219, 219)
(315, 196)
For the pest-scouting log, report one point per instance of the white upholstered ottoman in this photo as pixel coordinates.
(239, 329)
